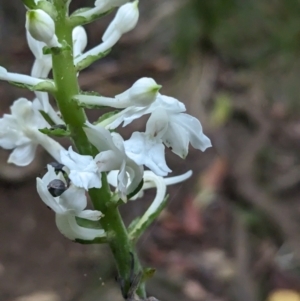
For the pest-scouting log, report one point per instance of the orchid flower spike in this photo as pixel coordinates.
(69, 205)
(20, 131)
(124, 21)
(41, 27)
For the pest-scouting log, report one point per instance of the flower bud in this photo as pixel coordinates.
(124, 21)
(41, 27)
(144, 91)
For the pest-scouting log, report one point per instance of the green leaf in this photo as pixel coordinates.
(133, 224)
(86, 223)
(57, 50)
(91, 59)
(56, 131)
(76, 19)
(47, 117)
(138, 231)
(105, 116)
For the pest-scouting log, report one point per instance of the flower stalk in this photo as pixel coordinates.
(65, 78)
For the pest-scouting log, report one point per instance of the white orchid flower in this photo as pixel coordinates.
(101, 6)
(41, 27)
(142, 93)
(125, 20)
(180, 128)
(19, 131)
(67, 206)
(112, 156)
(82, 169)
(147, 148)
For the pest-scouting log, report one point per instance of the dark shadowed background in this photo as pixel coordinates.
(232, 231)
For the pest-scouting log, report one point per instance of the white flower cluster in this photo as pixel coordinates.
(64, 189)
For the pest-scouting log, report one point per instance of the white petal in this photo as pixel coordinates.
(67, 225)
(47, 198)
(159, 198)
(177, 139)
(93, 215)
(79, 37)
(73, 198)
(108, 160)
(170, 104)
(194, 129)
(157, 124)
(85, 180)
(122, 182)
(99, 137)
(136, 173)
(146, 151)
(74, 160)
(124, 21)
(23, 154)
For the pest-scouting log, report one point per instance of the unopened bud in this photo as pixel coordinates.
(41, 27)
(124, 21)
(144, 91)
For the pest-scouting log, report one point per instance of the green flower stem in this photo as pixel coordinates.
(65, 78)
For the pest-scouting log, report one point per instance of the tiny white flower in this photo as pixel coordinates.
(124, 21)
(112, 156)
(41, 27)
(147, 148)
(142, 93)
(67, 206)
(19, 131)
(82, 170)
(180, 128)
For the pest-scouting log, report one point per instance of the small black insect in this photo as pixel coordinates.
(58, 167)
(57, 187)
